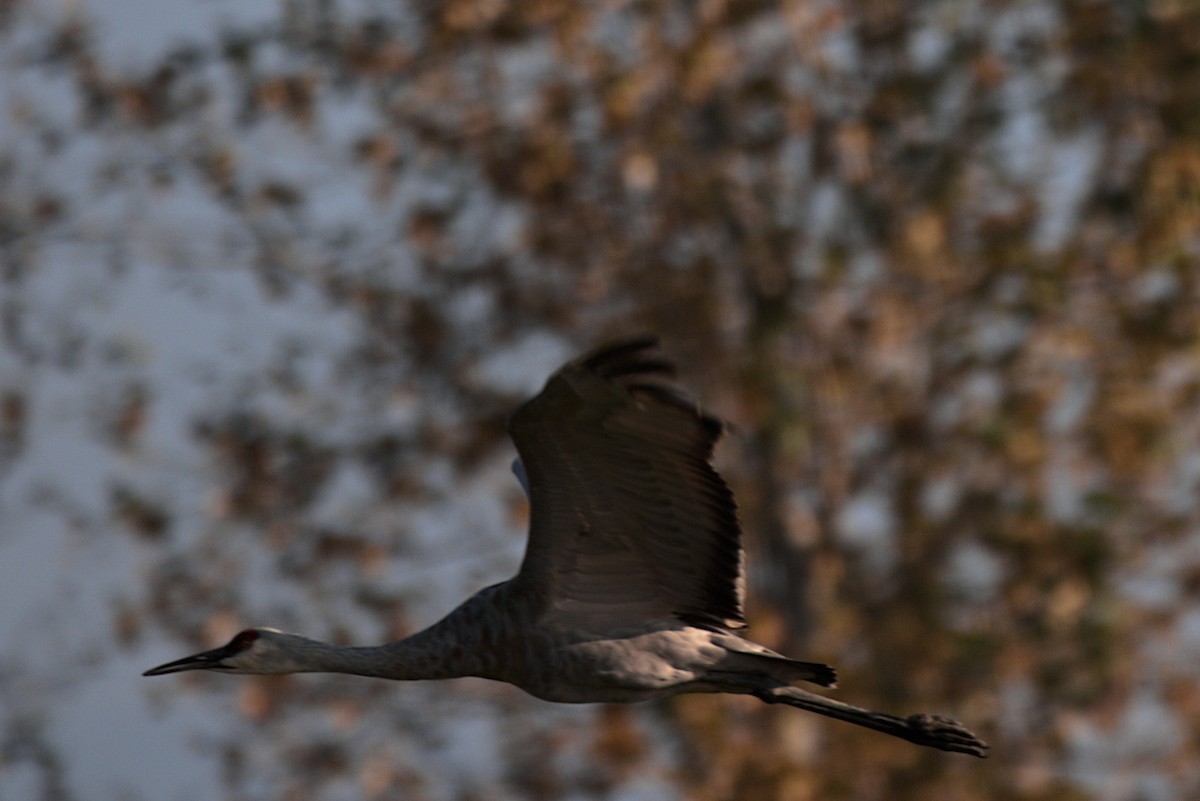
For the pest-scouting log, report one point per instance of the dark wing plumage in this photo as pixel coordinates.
(629, 521)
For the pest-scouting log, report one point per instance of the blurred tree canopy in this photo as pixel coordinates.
(937, 263)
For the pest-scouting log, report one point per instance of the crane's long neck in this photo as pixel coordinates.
(473, 640)
(428, 654)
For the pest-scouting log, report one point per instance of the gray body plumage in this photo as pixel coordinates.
(633, 578)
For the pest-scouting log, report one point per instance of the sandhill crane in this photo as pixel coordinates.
(632, 582)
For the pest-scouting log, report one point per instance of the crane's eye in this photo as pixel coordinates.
(244, 639)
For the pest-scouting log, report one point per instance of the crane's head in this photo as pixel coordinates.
(250, 651)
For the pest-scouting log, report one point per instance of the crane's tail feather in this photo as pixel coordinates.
(748, 659)
(933, 731)
(790, 670)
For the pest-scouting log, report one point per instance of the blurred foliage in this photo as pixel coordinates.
(937, 262)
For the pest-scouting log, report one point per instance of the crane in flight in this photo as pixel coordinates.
(632, 583)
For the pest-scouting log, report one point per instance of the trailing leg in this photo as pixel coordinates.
(923, 729)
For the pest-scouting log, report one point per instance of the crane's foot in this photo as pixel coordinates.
(936, 731)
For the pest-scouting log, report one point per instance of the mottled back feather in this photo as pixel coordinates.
(629, 521)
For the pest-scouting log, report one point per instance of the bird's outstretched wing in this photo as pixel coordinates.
(629, 521)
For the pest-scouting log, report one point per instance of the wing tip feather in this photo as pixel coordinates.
(618, 351)
(638, 365)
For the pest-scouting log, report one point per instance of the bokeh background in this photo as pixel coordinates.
(273, 273)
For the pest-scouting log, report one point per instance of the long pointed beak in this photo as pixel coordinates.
(208, 660)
